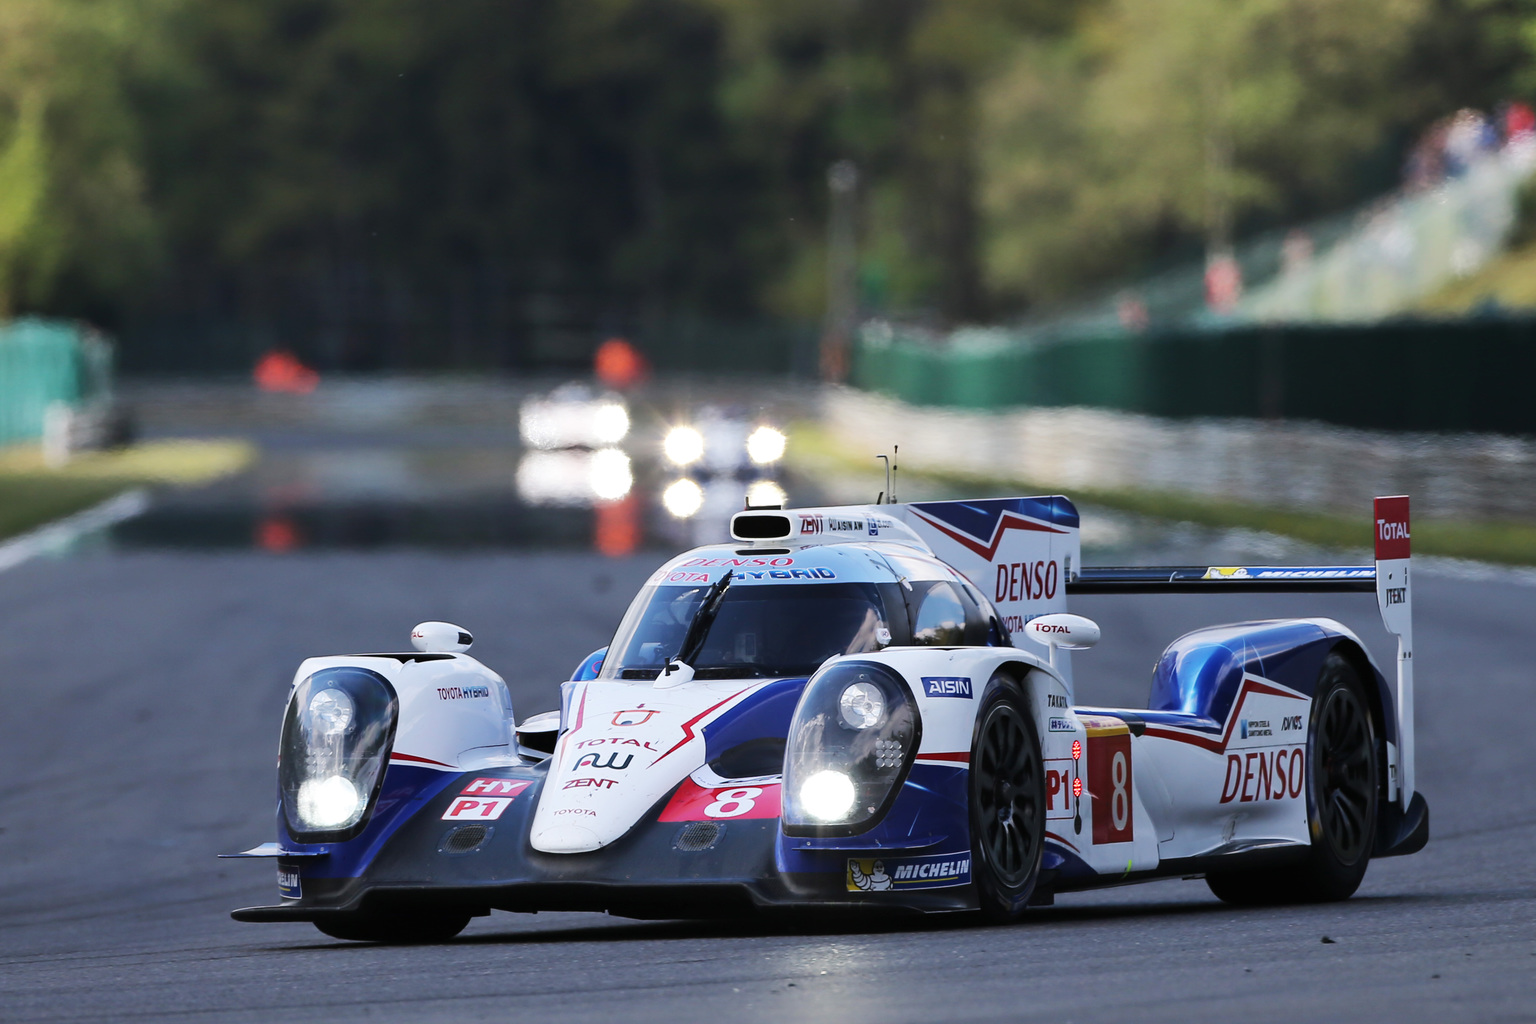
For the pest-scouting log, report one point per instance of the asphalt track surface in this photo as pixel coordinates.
(142, 695)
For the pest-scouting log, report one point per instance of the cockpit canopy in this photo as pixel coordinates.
(777, 625)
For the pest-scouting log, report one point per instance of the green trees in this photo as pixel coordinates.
(376, 172)
(1165, 119)
(72, 199)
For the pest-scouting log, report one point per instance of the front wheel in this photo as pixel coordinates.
(1342, 790)
(1007, 782)
(397, 927)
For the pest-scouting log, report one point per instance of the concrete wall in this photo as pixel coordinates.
(1280, 463)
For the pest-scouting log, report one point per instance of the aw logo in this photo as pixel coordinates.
(609, 761)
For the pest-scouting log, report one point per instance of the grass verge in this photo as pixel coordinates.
(813, 451)
(1508, 281)
(31, 494)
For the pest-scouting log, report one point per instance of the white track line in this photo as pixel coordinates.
(59, 534)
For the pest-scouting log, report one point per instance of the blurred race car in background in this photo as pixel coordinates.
(723, 442)
(855, 709)
(574, 439)
(712, 452)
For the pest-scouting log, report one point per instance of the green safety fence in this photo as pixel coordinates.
(1468, 375)
(43, 362)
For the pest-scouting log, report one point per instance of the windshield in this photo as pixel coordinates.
(759, 632)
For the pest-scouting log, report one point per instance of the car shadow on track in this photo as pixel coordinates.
(863, 925)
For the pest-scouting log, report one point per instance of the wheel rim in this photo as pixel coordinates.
(1007, 775)
(1347, 786)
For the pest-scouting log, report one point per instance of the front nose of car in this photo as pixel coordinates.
(565, 838)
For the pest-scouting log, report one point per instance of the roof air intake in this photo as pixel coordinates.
(760, 526)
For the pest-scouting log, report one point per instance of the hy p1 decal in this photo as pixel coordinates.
(484, 799)
(888, 874)
(947, 686)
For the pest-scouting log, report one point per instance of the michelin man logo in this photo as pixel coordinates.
(867, 876)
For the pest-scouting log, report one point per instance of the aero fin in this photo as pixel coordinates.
(1394, 596)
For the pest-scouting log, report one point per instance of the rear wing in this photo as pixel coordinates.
(1202, 579)
(1388, 578)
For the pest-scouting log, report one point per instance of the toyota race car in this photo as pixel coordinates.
(855, 709)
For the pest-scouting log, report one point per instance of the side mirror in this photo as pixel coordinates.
(440, 638)
(539, 732)
(1064, 631)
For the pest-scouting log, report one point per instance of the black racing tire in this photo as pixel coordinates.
(1007, 797)
(1343, 790)
(397, 927)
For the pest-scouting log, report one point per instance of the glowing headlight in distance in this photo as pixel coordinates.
(765, 445)
(683, 446)
(827, 795)
(610, 423)
(862, 706)
(331, 711)
(683, 498)
(327, 803)
(609, 474)
(766, 492)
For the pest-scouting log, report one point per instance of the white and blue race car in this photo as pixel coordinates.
(855, 709)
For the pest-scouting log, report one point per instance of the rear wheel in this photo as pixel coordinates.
(398, 927)
(1342, 793)
(1007, 781)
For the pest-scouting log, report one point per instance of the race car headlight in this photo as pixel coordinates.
(851, 744)
(861, 706)
(336, 739)
(683, 446)
(828, 795)
(765, 445)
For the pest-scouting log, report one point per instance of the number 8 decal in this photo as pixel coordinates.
(1120, 800)
(1109, 783)
(732, 803)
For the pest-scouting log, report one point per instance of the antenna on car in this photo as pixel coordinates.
(888, 496)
